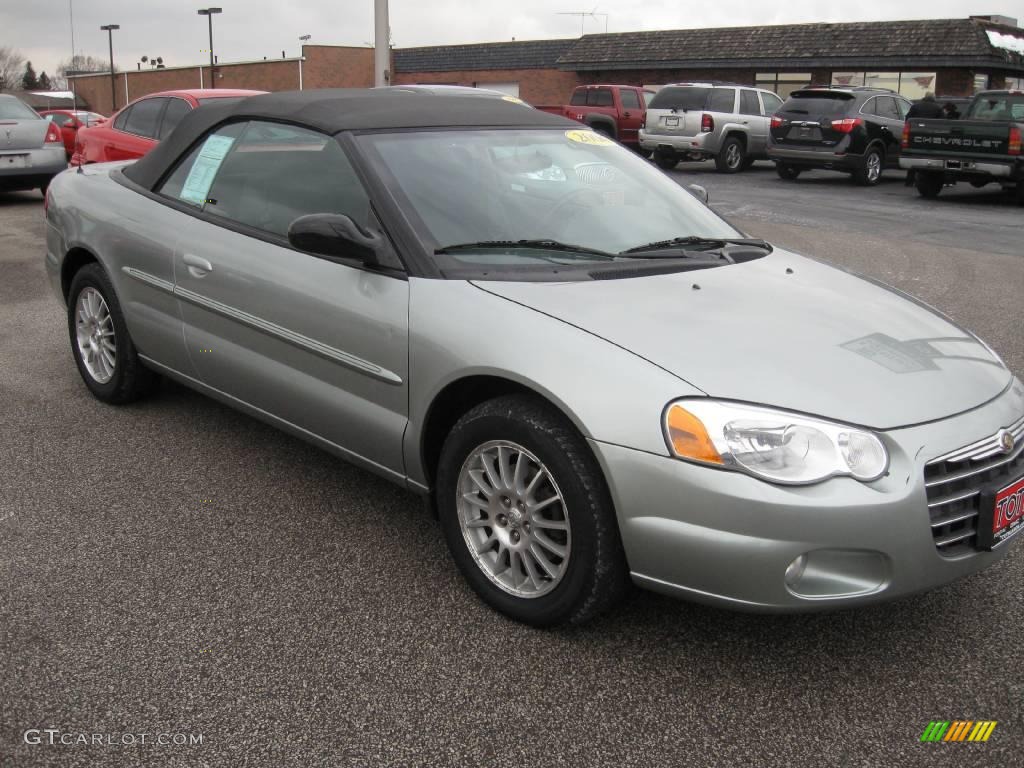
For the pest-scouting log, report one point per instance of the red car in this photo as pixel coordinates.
(69, 121)
(617, 111)
(135, 129)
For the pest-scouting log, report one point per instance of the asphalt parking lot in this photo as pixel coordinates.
(175, 567)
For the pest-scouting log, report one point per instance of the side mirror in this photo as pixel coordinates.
(699, 192)
(335, 234)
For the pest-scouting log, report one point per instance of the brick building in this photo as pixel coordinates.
(951, 57)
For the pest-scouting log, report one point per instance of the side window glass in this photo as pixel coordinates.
(579, 98)
(600, 97)
(176, 110)
(903, 107)
(275, 173)
(145, 118)
(771, 103)
(191, 180)
(722, 100)
(748, 103)
(629, 99)
(886, 107)
(122, 118)
(58, 118)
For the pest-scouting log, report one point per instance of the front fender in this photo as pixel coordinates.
(458, 330)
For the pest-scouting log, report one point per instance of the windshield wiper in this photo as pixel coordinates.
(536, 245)
(696, 243)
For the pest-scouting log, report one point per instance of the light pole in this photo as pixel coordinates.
(109, 29)
(208, 13)
(381, 44)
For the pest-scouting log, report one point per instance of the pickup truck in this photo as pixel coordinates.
(982, 148)
(617, 111)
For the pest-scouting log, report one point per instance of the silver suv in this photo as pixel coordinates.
(697, 121)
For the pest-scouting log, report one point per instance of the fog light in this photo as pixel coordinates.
(795, 572)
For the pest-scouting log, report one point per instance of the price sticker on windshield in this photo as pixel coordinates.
(589, 137)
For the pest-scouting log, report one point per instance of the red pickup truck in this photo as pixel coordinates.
(617, 111)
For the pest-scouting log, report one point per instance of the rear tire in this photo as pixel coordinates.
(869, 172)
(485, 529)
(103, 350)
(787, 172)
(929, 184)
(665, 161)
(731, 156)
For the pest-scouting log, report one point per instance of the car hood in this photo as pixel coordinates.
(785, 331)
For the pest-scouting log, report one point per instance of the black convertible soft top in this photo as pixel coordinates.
(332, 110)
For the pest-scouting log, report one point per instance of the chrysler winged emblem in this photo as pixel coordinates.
(1006, 441)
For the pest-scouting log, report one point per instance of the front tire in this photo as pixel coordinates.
(731, 157)
(103, 350)
(666, 161)
(787, 172)
(929, 184)
(527, 514)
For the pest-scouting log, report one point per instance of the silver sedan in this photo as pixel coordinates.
(31, 148)
(595, 379)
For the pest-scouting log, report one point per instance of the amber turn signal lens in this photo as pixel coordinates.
(689, 438)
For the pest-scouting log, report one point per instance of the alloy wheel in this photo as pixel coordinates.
(732, 155)
(513, 519)
(874, 167)
(97, 344)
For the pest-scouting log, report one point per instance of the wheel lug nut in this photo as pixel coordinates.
(515, 536)
(502, 520)
(506, 501)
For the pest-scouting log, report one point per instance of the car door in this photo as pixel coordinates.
(317, 344)
(135, 130)
(631, 116)
(757, 126)
(890, 127)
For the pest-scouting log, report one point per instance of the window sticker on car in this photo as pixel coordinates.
(588, 137)
(197, 186)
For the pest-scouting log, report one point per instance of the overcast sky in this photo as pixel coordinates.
(252, 29)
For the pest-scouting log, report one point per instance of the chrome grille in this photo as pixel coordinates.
(955, 480)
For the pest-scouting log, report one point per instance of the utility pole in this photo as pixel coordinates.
(208, 13)
(381, 44)
(109, 29)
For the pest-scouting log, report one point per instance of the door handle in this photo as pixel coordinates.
(626, 114)
(197, 266)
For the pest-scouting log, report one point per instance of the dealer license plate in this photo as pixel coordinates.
(1008, 513)
(672, 122)
(13, 161)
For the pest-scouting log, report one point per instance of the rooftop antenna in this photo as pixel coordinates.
(584, 15)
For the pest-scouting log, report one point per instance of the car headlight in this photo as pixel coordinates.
(773, 445)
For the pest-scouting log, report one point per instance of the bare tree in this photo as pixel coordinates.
(77, 63)
(11, 62)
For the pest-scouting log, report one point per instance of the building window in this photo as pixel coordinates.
(782, 83)
(1014, 83)
(913, 85)
(981, 83)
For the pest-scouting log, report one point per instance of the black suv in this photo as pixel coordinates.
(854, 130)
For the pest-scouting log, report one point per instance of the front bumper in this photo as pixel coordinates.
(727, 539)
(970, 167)
(33, 168)
(699, 144)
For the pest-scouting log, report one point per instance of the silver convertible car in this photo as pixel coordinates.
(593, 377)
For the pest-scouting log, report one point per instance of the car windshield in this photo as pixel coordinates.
(566, 186)
(998, 106)
(13, 109)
